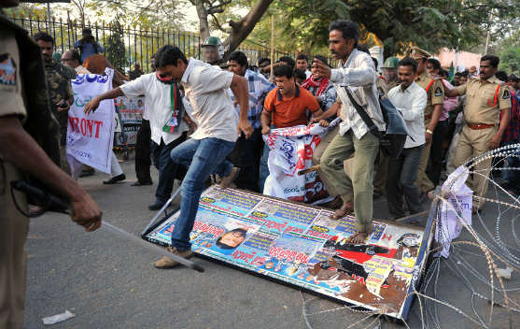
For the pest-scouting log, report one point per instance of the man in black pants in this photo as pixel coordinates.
(143, 146)
(249, 150)
(142, 155)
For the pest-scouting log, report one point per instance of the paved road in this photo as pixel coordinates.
(110, 283)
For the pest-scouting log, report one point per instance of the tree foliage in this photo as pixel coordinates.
(429, 24)
(115, 48)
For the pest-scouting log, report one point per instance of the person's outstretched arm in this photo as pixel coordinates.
(94, 103)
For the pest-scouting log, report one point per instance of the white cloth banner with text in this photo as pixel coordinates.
(455, 210)
(90, 136)
(291, 151)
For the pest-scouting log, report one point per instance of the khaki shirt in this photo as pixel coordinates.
(435, 93)
(392, 84)
(481, 106)
(11, 103)
(10, 81)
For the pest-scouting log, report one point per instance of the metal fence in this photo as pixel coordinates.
(126, 45)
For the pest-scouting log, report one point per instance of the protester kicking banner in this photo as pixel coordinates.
(291, 151)
(90, 137)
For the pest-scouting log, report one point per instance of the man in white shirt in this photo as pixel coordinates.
(355, 71)
(205, 152)
(160, 101)
(302, 63)
(410, 99)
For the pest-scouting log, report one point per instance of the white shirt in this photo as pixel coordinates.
(213, 110)
(158, 105)
(411, 103)
(359, 74)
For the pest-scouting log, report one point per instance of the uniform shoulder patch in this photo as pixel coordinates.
(506, 94)
(7, 70)
(438, 91)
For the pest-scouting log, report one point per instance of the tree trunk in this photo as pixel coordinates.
(203, 19)
(241, 29)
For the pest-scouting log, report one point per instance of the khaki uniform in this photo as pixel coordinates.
(435, 91)
(13, 225)
(483, 107)
(381, 166)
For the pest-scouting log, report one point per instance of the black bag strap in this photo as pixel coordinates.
(363, 114)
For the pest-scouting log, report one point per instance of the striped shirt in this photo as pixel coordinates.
(259, 87)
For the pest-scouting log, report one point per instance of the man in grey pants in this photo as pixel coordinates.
(355, 71)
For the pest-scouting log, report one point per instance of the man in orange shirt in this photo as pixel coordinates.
(287, 105)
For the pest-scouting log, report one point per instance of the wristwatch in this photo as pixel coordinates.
(428, 131)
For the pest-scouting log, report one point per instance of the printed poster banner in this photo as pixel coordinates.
(291, 151)
(90, 137)
(300, 245)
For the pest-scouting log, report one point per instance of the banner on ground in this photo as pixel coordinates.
(301, 246)
(291, 151)
(90, 136)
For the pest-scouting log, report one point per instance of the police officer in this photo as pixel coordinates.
(384, 83)
(435, 91)
(26, 135)
(486, 116)
(213, 51)
(390, 71)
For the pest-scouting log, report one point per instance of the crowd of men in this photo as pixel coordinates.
(197, 137)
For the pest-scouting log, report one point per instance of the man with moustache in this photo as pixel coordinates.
(60, 90)
(486, 116)
(410, 100)
(356, 72)
(432, 113)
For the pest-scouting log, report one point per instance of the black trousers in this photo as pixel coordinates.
(246, 155)
(168, 170)
(143, 152)
(433, 170)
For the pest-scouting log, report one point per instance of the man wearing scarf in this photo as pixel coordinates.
(321, 88)
(169, 124)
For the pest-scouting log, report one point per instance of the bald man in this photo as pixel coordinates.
(71, 58)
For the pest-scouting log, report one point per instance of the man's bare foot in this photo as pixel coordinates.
(358, 238)
(346, 209)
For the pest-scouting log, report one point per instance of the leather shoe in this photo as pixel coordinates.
(115, 179)
(138, 183)
(156, 205)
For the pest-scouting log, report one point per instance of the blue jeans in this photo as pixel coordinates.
(264, 169)
(204, 157)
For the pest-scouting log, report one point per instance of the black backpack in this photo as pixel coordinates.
(391, 141)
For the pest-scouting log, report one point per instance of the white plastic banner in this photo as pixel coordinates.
(455, 209)
(291, 151)
(90, 136)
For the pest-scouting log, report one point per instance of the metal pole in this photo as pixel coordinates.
(272, 48)
(48, 22)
